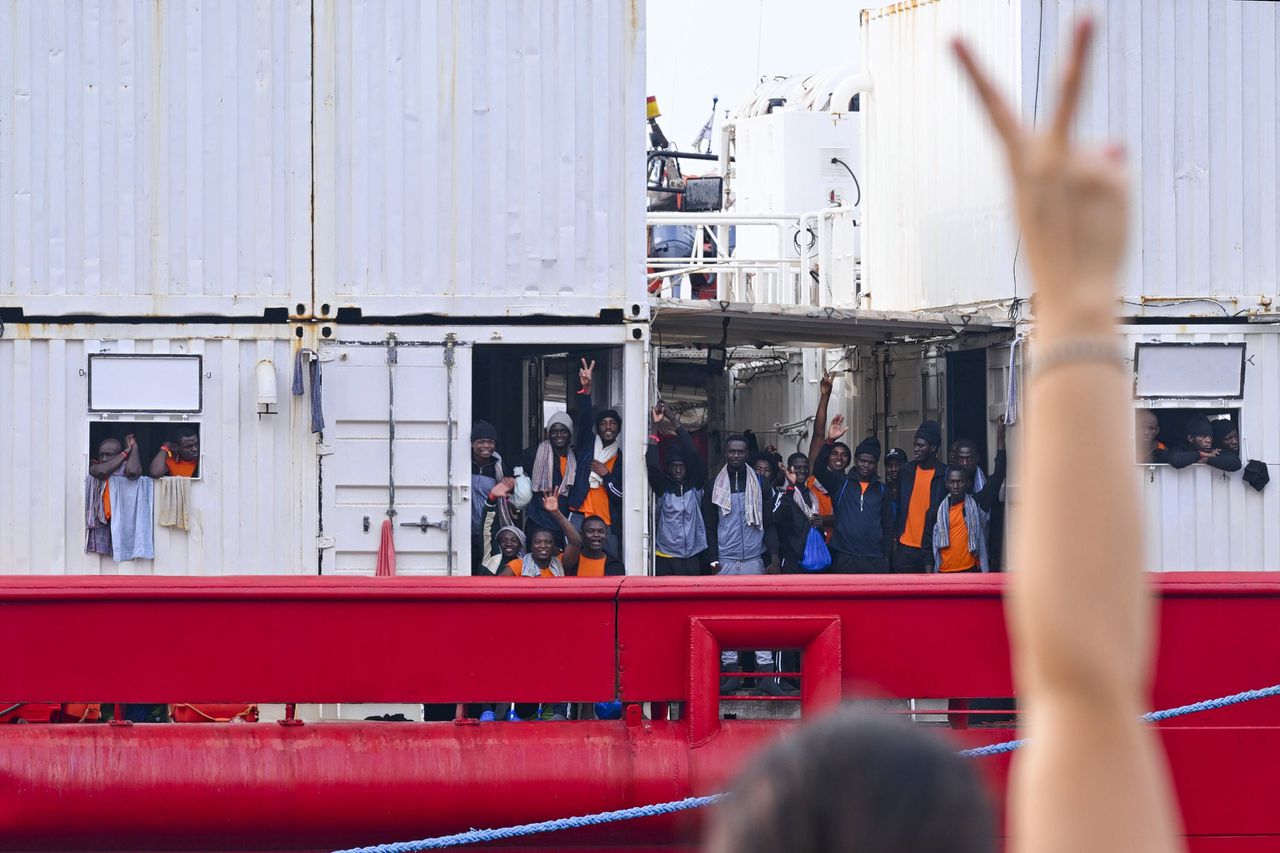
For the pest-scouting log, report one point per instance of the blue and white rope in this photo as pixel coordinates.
(479, 836)
(1150, 717)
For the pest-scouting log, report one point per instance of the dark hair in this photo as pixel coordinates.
(791, 460)
(737, 436)
(851, 782)
(841, 444)
(962, 443)
(958, 469)
(538, 530)
(595, 518)
(761, 456)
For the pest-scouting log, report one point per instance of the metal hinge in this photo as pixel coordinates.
(324, 542)
(324, 449)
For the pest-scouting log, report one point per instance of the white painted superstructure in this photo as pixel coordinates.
(1190, 89)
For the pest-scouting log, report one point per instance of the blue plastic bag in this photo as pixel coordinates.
(816, 556)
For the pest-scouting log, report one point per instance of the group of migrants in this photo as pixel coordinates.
(753, 516)
(123, 500)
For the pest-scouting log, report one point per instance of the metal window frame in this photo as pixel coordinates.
(199, 359)
(1137, 355)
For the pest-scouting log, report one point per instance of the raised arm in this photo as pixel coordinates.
(572, 539)
(816, 440)
(989, 496)
(695, 468)
(105, 468)
(830, 480)
(157, 468)
(659, 482)
(1092, 777)
(584, 429)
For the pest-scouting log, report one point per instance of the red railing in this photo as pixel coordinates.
(640, 640)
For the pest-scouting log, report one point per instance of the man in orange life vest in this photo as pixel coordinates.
(593, 560)
(921, 487)
(958, 536)
(177, 459)
(597, 488)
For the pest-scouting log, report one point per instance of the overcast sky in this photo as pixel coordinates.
(703, 48)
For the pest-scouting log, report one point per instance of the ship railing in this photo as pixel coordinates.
(807, 259)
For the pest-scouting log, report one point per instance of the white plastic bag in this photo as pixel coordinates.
(522, 494)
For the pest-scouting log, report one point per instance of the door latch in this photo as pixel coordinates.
(424, 523)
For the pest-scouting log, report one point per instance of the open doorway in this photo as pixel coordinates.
(516, 388)
(967, 399)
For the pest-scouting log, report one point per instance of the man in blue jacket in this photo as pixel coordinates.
(864, 521)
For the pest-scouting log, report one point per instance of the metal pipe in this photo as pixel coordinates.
(726, 218)
(846, 88)
(450, 342)
(392, 358)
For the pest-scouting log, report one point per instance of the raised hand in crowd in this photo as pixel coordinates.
(584, 374)
(837, 430)
(502, 489)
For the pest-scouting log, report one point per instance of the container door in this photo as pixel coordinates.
(392, 451)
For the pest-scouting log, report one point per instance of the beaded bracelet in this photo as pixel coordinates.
(1101, 350)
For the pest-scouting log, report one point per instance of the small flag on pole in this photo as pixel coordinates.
(705, 133)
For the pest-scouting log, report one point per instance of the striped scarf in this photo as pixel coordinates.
(721, 496)
(545, 463)
(529, 567)
(503, 515)
(972, 521)
(808, 505)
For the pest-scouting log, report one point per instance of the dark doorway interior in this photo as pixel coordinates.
(516, 387)
(967, 399)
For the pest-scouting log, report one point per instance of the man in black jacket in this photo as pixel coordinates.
(985, 487)
(922, 486)
(1199, 448)
(864, 523)
(795, 513)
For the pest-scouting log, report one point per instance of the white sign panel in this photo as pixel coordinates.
(1185, 370)
(145, 383)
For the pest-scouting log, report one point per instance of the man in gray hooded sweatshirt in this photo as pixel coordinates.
(681, 531)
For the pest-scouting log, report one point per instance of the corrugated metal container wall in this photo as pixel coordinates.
(155, 158)
(936, 220)
(765, 395)
(1191, 90)
(789, 397)
(1202, 519)
(480, 158)
(253, 506)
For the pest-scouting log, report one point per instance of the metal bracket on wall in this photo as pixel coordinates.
(424, 524)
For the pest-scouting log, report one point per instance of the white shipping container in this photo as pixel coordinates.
(400, 157)
(480, 158)
(155, 158)
(1189, 88)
